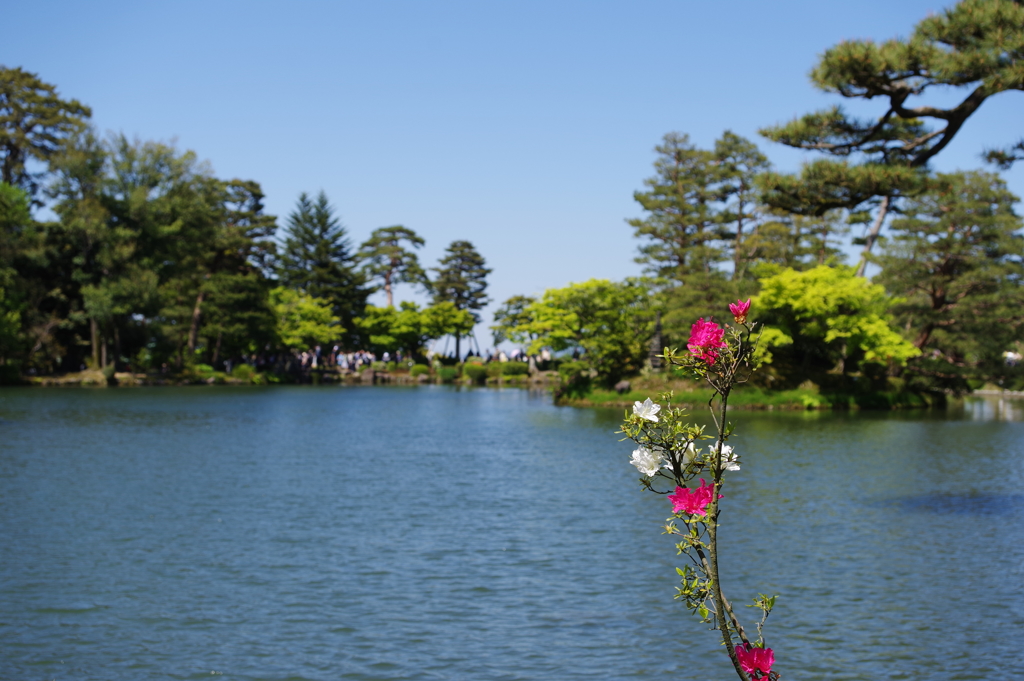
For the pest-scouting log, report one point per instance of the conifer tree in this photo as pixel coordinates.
(740, 162)
(34, 123)
(461, 280)
(15, 220)
(795, 241)
(701, 210)
(957, 261)
(317, 258)
(682, 233)
(385, 258)
(511, 315)
(976, 45)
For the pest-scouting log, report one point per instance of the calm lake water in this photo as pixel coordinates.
(386, 533)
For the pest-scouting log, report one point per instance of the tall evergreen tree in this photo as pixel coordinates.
(740, 162)
(681, 231)
(34, 123)
(318, 259)
(701, 212)
(15, 240)
(957, 261)
(232, 315)
(461, 280)
(385, 258)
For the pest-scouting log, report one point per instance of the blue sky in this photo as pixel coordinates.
(523, 127)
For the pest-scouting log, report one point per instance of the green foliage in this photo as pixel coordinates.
(445, 319)
(387, 329)
(408, 328)
(15, 212)
(385, 258)
(610, 323)
(957, 261)
(302, 320)
(419, 370)
(1005, 158)
(827, 318)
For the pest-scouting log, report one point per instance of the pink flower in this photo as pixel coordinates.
(751, 659)
(693, 501)
(739, 310)
(705, 338)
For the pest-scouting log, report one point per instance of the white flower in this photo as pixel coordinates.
(646, 461)
(730, 460)
(689, 454)
(647, 410)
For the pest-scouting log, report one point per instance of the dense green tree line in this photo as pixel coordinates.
(150, 261)
(946, 305)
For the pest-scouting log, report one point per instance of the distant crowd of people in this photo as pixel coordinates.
(316, 358)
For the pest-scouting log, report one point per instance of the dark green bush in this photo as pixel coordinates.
(576, 379)
(419, 370)
(447, 374)
(248, 373)
(475, 372)
(515, 368)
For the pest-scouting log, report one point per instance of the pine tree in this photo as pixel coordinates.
(976, 45)
(701, 212)
(511, 315)
(795, 241)
(317, 258)
(957, 260)
(34, 123)
(461, 280)
(740, 162)
(681, 231)
(15, 221)
(385, 258)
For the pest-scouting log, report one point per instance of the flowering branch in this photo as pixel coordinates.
(668, 449)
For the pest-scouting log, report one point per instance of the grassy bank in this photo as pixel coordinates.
(753, 397)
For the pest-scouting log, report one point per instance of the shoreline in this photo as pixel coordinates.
(747, 399)
(92, 378)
